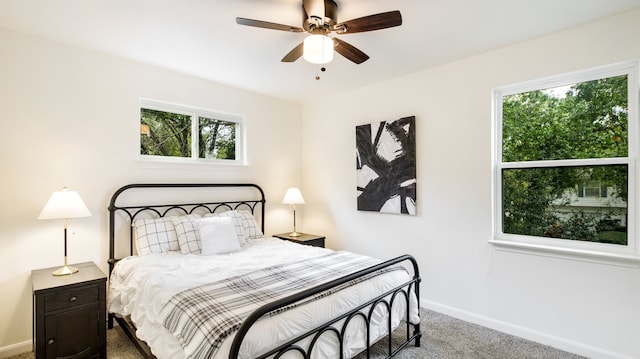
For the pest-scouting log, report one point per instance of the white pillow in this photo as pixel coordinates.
(155, 235)
(217, 235)
(235, 221)
(246, 225)
(188, 235)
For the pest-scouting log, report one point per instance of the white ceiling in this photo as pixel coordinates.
(201, 38)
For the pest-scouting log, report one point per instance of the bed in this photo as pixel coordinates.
(272, 298)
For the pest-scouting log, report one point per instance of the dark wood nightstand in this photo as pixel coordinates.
(304, 238)
(69, 313)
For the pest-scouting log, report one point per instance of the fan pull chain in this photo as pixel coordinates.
(323, 69)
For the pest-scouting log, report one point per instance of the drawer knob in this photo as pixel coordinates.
(73, 299)
(51, 341)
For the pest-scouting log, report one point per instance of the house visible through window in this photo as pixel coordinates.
(180, 132)
(564, 162)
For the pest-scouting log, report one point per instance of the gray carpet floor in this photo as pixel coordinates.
(443, 337)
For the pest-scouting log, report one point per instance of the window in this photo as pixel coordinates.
(592, 189)
(565, 154)
(170, 131)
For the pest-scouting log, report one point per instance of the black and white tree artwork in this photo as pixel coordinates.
(386, 166)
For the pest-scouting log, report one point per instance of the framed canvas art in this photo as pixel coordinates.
(386, 166)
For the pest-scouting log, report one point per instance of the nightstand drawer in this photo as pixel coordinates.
(72, 298)
(317, 242)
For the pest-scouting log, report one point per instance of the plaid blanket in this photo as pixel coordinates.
(201, 318)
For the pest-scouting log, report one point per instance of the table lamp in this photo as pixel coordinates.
(293, 197)
(64, 204)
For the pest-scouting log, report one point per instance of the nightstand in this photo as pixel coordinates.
(69, 313)
(303, 238)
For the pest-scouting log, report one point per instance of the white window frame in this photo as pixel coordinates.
(591, 186)
(571, 249)
(195, 113)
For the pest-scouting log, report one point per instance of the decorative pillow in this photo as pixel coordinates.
(154, 235)
(188, 234)
(236, 224)
(217, 235)
(249, 224)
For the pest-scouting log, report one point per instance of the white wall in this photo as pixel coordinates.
(588, 308)
(69, 117)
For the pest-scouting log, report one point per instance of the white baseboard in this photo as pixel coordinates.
(15, 349)
(522, 332)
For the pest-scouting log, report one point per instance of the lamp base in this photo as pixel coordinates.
(295, 234)
(66, 270)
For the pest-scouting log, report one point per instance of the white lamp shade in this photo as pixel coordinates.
(293, 196)
(318, 49)
(64, 204)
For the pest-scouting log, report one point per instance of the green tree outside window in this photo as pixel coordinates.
(174, 134)
(588, 120)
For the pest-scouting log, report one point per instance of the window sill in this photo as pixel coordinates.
(575, 254)
(182, 163)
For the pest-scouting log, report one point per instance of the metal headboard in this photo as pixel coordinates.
(256, 202)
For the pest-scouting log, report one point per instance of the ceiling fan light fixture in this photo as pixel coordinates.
(318, 49)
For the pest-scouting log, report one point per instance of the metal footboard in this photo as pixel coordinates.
(363, 311)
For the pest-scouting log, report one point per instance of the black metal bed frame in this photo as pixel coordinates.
(386, 299)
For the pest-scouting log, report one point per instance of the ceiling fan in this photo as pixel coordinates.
(319, 18)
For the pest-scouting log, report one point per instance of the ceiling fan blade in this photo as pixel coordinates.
(349, 51)
(314, 8)
(370, 23)
(267, 25)
(294, 54)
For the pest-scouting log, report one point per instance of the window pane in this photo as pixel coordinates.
(546, 202)
(584, 120)
(217, 139)
(165, 133)
(592, 189)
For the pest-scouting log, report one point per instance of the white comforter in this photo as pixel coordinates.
(141, 286)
